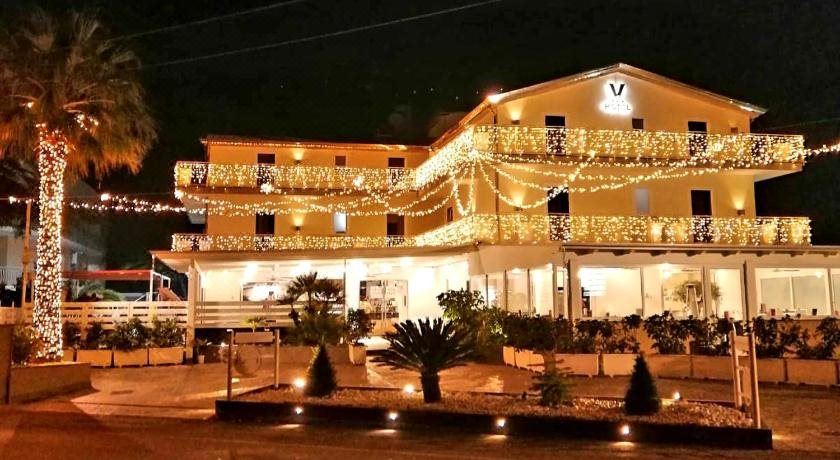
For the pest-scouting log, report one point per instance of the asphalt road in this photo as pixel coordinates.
(62, 435)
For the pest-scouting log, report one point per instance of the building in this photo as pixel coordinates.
(607, 193)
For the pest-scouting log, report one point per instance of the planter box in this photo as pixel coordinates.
(169, 355)
(131, 358)
(69, 355)
(538, 361)
(613, 364)
(509, 355)
(812, 371)
(339, 354)
(523, 359)
(669, 366)
(358, 354)
(294, 354)
(578, 364)
(96, 358)
(40, 381)
(711, 367)
(769, 369)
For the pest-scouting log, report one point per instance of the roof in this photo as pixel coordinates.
(620, 67)
(223, 139)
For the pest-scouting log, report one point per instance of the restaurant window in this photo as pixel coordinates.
(558, 203)
(792, 291)
(726, 293)
(675, 289)
(610, 292)
(496, 290)
(542, 300)
(395, 225)
(697, 141)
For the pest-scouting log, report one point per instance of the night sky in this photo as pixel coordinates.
(391, 84)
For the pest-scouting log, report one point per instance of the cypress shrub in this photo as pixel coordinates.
(641, 397)
(320, 379)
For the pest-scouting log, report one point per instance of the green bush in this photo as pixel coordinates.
(467, 310)
(25, 344)
(315, 324)
(641, 397)
(668, 334)
(774, 338)
(166, 333)
(71, 334)
(129, 335)
(827, 337)
(95, 337)
(554, 388)
(359, 325)
(320, 379)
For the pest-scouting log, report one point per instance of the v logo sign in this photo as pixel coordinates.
(616, 92)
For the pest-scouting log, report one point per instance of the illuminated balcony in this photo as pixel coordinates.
(537, 229)
(736, 150)
(267, 178)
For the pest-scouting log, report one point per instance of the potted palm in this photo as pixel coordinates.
(428, 347)
(91, 119)
(315, 323)
(359, 326)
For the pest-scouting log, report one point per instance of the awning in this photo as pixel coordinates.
(109, 275)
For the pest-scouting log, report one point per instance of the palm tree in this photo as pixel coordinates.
(319, 294)
(317, 325)
(72, 100)
(427, 347)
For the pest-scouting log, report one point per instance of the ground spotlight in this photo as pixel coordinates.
(408, 389)
(393, 415)
(624, 430)
(298, 410)
(299, 383)
(501, 422)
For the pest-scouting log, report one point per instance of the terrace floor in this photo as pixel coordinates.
(803, 418)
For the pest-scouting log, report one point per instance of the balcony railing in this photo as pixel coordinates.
(272, 177)
(536, 229)
(739, 150)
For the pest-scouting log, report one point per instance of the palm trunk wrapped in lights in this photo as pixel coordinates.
(52, 162)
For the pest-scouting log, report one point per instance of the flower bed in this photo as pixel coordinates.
(590, 418)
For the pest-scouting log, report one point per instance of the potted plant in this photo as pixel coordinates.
(25, 344)
(620, 347)
(200, 346)
(359, 326)
(94, 347)
(129, 340)
(816, 365)
(315, 324)
(669, 339)
(72, 336)
(167, 342)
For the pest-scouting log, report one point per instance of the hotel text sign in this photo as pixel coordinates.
(615, 102)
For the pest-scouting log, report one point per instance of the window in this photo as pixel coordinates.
(340, 222)
(450, 214)
(396, 162)
(726, 293)
(542, 300)
(559, 203)
(697, 126)
(496, 290)
(641, 196)
(555, 121)
(733, 130)
(638, 123)
(265, 224)
(610, 291)
(701, 202)
(555, 139)
(265, 158)
(517, 290)
(264, 161)
(792, 291)
(340, 161)
(395, 225)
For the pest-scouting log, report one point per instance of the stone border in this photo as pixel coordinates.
(40, 381)
(514, 425)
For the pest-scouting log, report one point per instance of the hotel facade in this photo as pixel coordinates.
(607, 193)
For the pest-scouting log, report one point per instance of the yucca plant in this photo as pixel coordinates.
(428, 347)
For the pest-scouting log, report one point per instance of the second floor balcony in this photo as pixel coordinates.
(267, 178)
(537, 229)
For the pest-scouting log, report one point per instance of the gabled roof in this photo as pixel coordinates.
(620, 67)
(223, 139)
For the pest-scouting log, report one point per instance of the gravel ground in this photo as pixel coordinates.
(583, 408)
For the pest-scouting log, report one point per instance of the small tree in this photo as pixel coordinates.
(95, 336)
(25, 344)
(427, 347)
(359, 326)
(321, 381)
(255, 321)
(553, 387)
(468, 310)
(641, 397)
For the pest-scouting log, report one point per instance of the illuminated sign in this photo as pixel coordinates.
(615, 103)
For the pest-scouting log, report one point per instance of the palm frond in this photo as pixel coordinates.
(427, 346)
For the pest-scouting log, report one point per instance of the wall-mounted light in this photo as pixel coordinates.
(297, 155)
(740, 212)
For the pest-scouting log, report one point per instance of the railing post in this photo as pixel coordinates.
(277, 358)
(231, 337)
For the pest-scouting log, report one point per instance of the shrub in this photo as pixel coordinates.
(166, 333)
(95, 337)
(316, 324)
(554, 388)
(25, 344)
(667, 333)
(774, 338)
(129, 335)
(359, 325)
(72, 334)
(317, 328)
(827, 336)
(468, 310)
(255, 321)
(320, 379)
(427, 347)
(641, 397)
